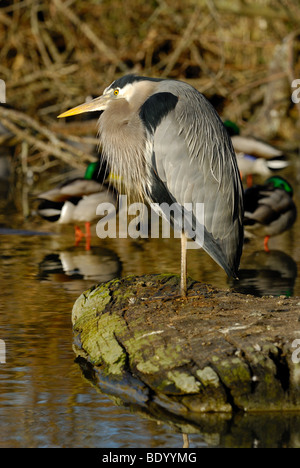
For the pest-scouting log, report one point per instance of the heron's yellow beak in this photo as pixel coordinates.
(97, 104)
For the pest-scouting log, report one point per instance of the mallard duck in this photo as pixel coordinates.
(269, 208)
(254, 157)
(75, 201)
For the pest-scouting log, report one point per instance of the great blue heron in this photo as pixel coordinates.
(269, 209)
(168, 144)
(76, 200)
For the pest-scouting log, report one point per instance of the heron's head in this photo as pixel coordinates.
(129, 89)
(121, 130)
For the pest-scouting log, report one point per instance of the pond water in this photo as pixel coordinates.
(44, 399)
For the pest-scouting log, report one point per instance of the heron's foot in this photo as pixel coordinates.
(170, 297)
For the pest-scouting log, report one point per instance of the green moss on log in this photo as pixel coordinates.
(214, 351)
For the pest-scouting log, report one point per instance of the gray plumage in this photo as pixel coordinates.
(167, 143)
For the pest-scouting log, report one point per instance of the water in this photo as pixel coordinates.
(44, 399)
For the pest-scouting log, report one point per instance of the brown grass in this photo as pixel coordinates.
(55, 53)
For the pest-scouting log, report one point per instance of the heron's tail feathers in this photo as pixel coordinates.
(226, 252)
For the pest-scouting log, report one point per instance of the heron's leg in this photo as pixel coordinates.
(186, 442)
(183, 286)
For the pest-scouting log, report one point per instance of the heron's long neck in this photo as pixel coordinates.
(122, 141)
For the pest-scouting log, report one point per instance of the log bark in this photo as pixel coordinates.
(216, 351)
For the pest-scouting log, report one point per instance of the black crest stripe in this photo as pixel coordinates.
(156, 108)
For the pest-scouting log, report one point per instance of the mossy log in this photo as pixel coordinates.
(215, 351)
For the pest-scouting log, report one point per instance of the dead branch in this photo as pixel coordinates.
(27, 129)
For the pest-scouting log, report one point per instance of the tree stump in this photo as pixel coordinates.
(215, 351)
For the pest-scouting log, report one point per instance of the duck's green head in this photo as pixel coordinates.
(281, 183)
(231, 128)
(91, 170)
(97, 170)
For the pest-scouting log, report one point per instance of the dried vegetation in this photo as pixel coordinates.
(243, 55)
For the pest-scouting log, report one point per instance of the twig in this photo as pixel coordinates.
(257, 83)
(37, 35)
(251, 10)
(33, 133)
(87, 31)
(186, 39)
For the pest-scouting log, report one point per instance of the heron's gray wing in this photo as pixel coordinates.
(197, 165)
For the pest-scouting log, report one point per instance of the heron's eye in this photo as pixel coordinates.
(116, 92)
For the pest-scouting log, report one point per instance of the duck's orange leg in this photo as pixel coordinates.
(78, 235)
(88, 236)
(249, 180)
(266, 241)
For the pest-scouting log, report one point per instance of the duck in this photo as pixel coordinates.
(269, 209)
(76, 200)
(254, 157)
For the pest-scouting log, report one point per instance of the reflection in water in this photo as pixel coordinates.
(264, 273)
(78, 269)
(214, 430)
